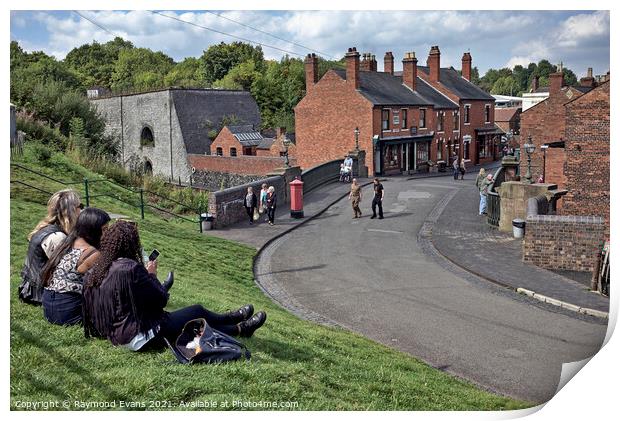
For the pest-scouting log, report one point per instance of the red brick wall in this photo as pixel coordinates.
(476, 121)
(563, 242)
(325, 120)
(587, 155)
(554, 168)
(545, 122)
(226, 140)
(245, 165)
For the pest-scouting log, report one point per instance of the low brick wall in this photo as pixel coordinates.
(241, 165)
(321, 174)
(563, 242)
(213, 180)
(227, 205)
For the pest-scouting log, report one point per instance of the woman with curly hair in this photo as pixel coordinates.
(63, 209)
(62, 275)
(124, 301)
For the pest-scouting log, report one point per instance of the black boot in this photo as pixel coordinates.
(240, 315)
(169, 281)
(247, 328)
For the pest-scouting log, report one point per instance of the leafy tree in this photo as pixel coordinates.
(219, 59)
(506, 85)
(140, 68)
(241, 76)
(188, 73)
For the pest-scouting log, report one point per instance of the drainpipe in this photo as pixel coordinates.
(170, 130)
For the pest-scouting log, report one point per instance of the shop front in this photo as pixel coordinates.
(402, 155)
(487, 144)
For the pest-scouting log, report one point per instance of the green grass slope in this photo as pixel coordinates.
(296, 364)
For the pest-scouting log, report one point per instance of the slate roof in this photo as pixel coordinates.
(202, 110)
(266, 143)
(457, 84)
(384, 89)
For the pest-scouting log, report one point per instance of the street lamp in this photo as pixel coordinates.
(357, 142)
(285, 144)
(529, 149)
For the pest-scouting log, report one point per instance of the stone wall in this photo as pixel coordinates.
(514, 196)
(239, 165)
(563, 242)
(214, 181)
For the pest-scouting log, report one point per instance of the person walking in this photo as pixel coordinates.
(377, 200)
(462, 168)
(455, 167)
(262, 206)
(250, 202)
(482, 175)
(271, 204)
(484, 191)
(355, 196)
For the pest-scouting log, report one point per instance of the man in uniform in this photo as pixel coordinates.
(355, 197)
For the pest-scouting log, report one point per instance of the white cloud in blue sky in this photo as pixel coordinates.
(495, 38)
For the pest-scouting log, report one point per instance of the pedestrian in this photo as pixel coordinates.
(271, 205)
(355, 197)
(250, 204)
(262, 207)
(540, 179)
(462, 168)
(455, 167)
(377, 200)
(482, 175)
(484, 191)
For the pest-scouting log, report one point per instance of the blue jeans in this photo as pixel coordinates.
(62, 308)
(483, 204)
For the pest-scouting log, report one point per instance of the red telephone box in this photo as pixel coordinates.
(297, 198)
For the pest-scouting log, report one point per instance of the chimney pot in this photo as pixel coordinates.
(388, 63)
(466, 66)
(312, 71)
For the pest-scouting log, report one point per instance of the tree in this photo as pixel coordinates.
(241, 76)
(188, 73)
(140, 68)
(219, 59)
(506, 85)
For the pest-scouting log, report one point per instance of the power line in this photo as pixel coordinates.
(227, 34)
(94, 23)
(267, 33)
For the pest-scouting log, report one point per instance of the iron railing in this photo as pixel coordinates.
(493, 209)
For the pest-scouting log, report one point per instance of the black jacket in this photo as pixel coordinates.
(254, 201)
(129, 301)
(31, 288)
(272, 200)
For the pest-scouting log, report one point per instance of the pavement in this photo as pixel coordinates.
(386, 279)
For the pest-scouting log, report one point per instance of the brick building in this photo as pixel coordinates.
(508, 119)
(405, 119)
(587, 165)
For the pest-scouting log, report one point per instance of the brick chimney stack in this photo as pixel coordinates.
(373, 63)
(388, 63)
(352, 58)
(556, 81)
(410, 71)
(466, 66)
(434, 62)
(589, 80)
(312, 71)
(365, 63)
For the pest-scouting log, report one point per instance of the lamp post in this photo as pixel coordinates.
(357, 142)
(285, 144)
(529, 149)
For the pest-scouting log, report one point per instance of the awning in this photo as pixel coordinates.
(401, 140)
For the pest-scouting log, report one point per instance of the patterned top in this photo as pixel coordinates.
(66, 278)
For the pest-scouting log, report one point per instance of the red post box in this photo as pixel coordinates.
(297, 198)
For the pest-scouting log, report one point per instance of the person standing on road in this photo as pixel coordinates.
(378, 199)
(455, 167)
(250, 202)
(271, 204)
(462, 168)
(355, 197)
(482, 175)
(484, 191)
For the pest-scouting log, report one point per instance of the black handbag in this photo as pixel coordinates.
(213, 346)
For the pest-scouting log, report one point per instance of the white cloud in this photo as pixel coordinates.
(579, 28)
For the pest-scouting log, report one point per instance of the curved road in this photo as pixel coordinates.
(376, 278)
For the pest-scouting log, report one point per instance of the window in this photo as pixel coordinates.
(440, 121)
(146, 137)
(233, 151)
(439, 148)
(403, 119)
(395, 120)
(422, 152)
(148, 167)
(422, 118)
(385, 120)
(219, 152)
(467, 108)
(487, 113)
(455, 119)
(248, 151)
(466, 150)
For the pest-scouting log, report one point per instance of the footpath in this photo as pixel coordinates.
(468, 241)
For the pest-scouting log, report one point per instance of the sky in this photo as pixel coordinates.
(495, 39)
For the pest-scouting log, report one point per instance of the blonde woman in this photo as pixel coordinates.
(63, 209)
(271, 204)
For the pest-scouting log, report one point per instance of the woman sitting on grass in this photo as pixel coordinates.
(63, 209)
(62, 275)
(124, 301)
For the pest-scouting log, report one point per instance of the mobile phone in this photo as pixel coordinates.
(154, 255)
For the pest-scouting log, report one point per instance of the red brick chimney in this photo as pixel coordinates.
(365, 63)
(434, 62)
(556, 81)
(410, 71)
(373, 63)
(589, 80)
(466, 66)
(352, 58)
(312, 71)
(388, 63)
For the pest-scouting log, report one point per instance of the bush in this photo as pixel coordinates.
(42, 154)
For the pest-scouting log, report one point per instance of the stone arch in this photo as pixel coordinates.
(148, 167)
(146, 137)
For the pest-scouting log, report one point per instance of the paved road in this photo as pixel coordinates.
(377, 278)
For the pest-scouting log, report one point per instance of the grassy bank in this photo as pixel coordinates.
(309, 366)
